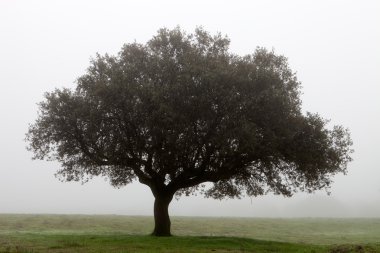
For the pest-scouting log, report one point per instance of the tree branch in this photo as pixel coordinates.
(143, 178)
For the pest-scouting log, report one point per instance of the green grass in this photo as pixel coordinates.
(112, 233)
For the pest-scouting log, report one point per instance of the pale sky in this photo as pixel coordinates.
(332, 45)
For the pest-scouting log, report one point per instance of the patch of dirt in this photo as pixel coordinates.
(352, 249)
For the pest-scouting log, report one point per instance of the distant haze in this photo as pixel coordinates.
(333, 46)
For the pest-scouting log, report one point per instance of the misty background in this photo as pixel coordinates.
(332, 45)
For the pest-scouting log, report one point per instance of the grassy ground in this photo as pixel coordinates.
(82, 233)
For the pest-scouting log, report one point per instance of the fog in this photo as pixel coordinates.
(333, 46)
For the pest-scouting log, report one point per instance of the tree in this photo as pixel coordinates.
(182, 114)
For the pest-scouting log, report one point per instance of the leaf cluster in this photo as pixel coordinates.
(180, 111)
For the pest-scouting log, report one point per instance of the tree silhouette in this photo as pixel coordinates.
(181, 111)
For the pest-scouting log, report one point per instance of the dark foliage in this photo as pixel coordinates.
(181, 111)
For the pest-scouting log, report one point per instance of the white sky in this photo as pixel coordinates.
(333, 46)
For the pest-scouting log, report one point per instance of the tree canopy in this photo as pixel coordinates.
(181, 111)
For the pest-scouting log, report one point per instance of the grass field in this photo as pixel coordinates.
(112, 233)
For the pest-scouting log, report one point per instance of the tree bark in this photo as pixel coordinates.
(161, 216)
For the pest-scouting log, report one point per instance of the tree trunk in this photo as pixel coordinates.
(161, 216)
